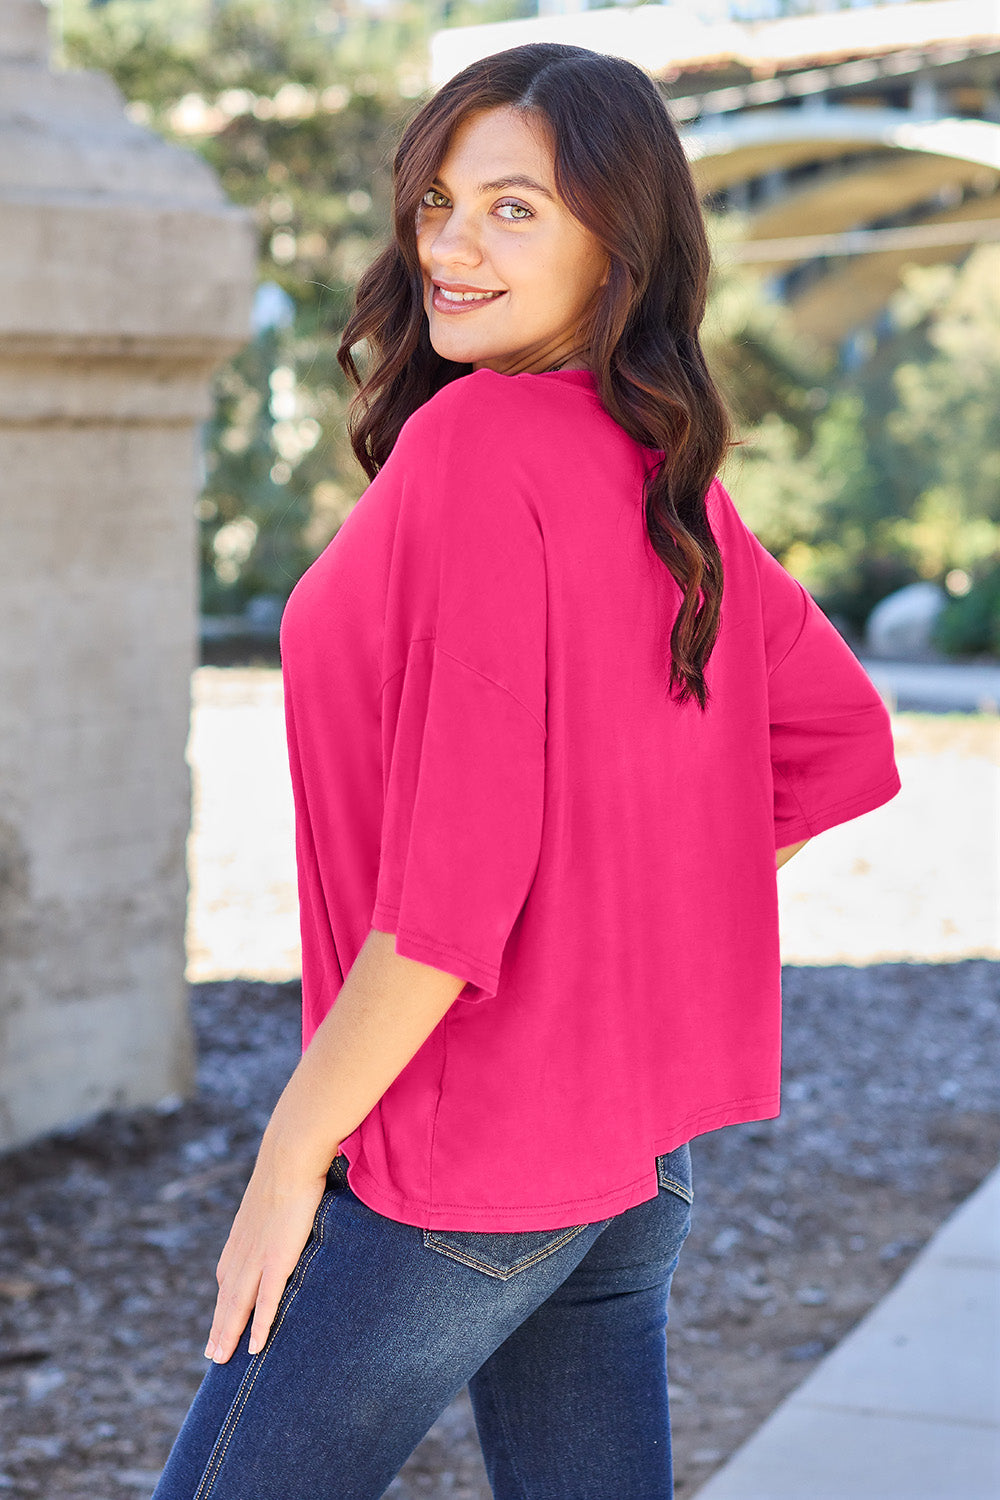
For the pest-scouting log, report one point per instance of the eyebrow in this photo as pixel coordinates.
(516, 179)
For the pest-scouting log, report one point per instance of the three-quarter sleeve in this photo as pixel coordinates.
(832, 753)
(463, 700)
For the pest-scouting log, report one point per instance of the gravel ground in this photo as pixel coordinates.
(109, 1234)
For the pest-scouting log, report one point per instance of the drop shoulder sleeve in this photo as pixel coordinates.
(463, 700)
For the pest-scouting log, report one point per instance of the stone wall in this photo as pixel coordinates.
(125, 279)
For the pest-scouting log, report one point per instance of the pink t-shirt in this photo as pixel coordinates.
(485, 762)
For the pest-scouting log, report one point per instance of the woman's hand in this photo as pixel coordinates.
(385, 1010)
(270, 1230)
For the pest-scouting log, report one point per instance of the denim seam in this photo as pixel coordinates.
(243, 1394)
(470, 1260)
(680, 1188)
(508, 1439)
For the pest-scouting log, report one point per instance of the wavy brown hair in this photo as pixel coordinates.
(621, 170)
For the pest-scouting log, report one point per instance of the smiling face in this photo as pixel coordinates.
(492, 222)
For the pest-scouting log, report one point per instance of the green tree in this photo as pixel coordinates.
(862, 483)
(945, 429)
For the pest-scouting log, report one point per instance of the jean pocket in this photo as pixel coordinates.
(502, 1254)
(336, 1177)
(673, 1171)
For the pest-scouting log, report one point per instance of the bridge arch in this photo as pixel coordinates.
(806, 180)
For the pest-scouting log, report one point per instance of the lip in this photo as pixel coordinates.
(442, 305)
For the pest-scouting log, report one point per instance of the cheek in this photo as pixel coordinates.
(424, 237)
(535, 267)
(564, 270)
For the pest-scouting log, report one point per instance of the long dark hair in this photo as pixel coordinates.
(621, 170)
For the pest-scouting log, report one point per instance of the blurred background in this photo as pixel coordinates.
(850, 170)
(188, 192)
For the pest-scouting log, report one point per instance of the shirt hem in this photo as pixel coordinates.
(497, 1219)
(428, 950)
(790, 831)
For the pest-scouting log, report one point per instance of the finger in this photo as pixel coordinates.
(272, 1285)
(233, 1307)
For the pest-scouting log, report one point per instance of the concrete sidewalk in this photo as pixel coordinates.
(907, 1407)
(935, 687)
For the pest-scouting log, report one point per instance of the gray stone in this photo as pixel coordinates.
(901, 624)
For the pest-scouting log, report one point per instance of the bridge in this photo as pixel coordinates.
(840, 145)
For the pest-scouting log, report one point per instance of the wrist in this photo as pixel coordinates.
(294, 1153)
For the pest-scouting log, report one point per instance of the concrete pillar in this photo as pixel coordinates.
(925, 99)
(125, 279)
(772, 185)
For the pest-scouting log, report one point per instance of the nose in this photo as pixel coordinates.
(456, 243)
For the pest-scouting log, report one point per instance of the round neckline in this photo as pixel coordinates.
(574, 377)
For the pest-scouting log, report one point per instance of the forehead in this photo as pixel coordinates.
(495, 143)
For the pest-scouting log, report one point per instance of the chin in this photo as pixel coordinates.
(460, 355)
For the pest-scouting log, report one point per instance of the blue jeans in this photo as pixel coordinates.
(559, 1333)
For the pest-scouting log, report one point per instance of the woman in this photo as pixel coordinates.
(545, 766)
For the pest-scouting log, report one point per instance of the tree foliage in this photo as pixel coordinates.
(894, 474)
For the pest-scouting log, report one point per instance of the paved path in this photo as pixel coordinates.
(243, 914)
(907, 1407)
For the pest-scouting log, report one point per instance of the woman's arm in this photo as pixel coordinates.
(782, 856)
(385, 1010)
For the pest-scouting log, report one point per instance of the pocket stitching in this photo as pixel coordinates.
(442, 1247)
(680, 1188)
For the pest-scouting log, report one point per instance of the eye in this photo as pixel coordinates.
(523, 208)
(432, 193)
